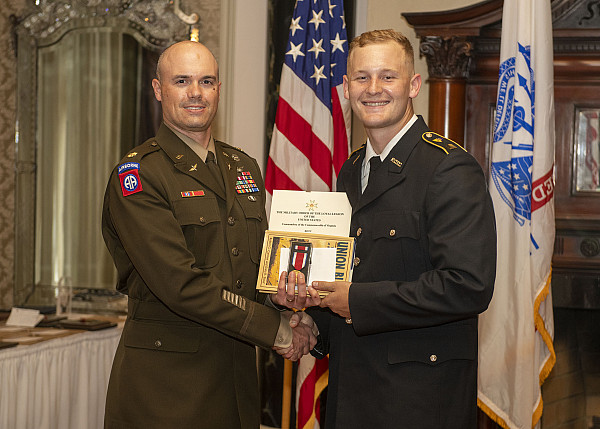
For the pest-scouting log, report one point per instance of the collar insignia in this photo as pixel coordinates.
(396, 162)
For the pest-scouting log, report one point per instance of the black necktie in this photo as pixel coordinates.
(374, 164)
(211, 163)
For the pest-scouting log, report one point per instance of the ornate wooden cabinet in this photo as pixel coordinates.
(462, 50)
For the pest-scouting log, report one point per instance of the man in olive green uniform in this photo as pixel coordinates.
(183, 219)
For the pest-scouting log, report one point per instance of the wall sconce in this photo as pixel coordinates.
(192, 20)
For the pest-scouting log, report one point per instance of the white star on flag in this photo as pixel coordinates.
(337, 43)
(318, 74)
(295, 25)
(316, 19)
(317, 47)
(295, 50)
(331, 7)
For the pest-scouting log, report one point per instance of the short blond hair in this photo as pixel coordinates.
(382, 36)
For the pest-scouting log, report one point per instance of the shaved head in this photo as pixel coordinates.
(176, 49)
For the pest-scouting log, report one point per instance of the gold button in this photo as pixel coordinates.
(358, 232)
(392, 232)
(356, 261)
(239, 284)
(235, 251)
(433, 358)
(349, 320)
(202, 219)
(231, 220)
(157, 343)
(252, 198)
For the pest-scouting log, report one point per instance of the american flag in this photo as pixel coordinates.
(311, 138)
(312, 125)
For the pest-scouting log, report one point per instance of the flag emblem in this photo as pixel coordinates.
(516, 332)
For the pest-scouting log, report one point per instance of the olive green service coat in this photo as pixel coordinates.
(424, 269)
(187, 256)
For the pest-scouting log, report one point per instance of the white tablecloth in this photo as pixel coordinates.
(57, 384)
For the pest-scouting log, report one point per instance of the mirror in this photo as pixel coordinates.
(84, 100)
(587, 150)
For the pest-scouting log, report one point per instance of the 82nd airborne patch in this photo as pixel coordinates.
(130, 178)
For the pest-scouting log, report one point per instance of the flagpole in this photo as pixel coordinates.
(287, 394)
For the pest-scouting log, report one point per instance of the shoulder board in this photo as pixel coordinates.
(440, 142)
(228, 146)
(356, 150)
(138, 152)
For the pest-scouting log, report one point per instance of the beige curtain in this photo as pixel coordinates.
(78, 142)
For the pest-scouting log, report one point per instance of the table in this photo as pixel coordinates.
(59, 383)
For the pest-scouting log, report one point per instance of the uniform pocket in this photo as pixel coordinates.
(161, 337)
(396, 244)
(395, 225)
(201, 225)
(436, 345)
(253, 213)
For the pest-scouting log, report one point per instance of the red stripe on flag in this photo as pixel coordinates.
(307, 403)
(277, 179)
(340, 139)
(299, 133)
(543, 190)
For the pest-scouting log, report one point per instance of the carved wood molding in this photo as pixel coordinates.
(447, 57)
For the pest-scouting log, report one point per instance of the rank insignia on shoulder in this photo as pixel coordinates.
(187, 194)
(131, 155)
(129, 177)
(245, 183)
(440, 142)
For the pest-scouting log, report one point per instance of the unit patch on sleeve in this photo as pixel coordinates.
(245, 183)
(130, 178)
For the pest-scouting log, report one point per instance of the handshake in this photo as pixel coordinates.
(293, 293)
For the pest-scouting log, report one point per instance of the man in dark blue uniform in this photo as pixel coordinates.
(402, 337)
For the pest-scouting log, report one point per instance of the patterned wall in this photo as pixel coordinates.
(8, 84)
(210, 15)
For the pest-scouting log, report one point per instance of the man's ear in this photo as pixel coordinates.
(345, 86)
(415, 85)
(157, 89)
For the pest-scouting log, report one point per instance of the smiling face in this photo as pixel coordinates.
(188, 87)
(380, 85)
